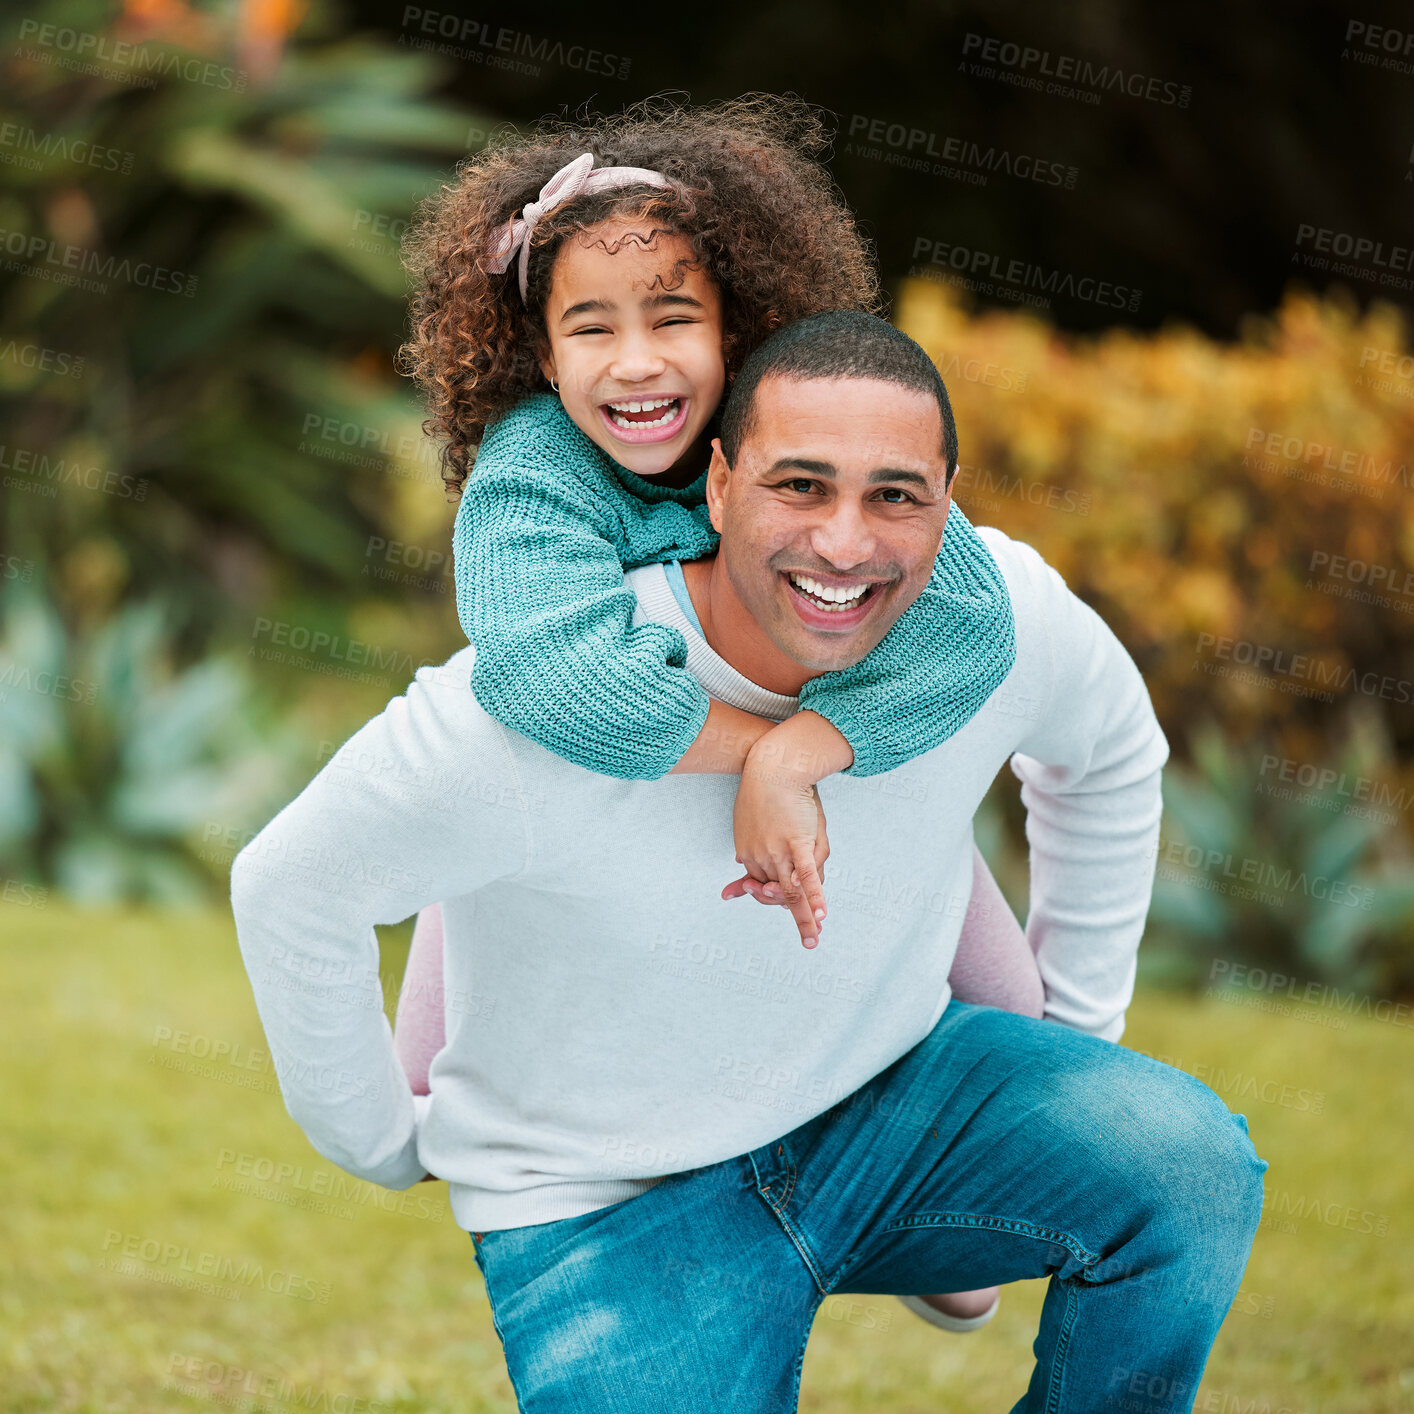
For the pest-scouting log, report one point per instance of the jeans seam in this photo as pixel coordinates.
(1023, 1229)
(812, 1264)
(800, 1356)
(848, 1263)
(790, 1184)
(806, 1256)
(1053, 1393)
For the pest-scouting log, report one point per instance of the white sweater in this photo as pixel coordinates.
(610, 1019)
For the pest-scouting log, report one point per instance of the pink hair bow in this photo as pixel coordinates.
(574, 179)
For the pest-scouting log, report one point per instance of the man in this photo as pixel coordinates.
(670, 1133)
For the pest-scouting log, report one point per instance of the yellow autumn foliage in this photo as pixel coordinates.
(1241, 514)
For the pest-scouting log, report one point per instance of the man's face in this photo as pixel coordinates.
(838, 487)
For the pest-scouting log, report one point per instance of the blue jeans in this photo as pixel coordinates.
(998, 1148)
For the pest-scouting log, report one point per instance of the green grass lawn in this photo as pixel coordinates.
(120, 1139)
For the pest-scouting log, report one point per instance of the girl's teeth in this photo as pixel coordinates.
(670, 406)
(643, 407)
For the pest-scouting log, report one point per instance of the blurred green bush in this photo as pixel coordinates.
(205, 432)
(237, 444)
(122, 775)
(1314, 884)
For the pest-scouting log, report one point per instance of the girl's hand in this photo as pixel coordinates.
(771, 892)
(779, 825)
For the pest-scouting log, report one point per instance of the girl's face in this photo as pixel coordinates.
(636, 346)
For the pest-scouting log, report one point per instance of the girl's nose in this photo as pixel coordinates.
(635, 359)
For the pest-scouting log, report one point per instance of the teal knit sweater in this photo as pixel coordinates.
(546, 527)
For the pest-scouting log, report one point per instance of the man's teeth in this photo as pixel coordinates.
(670, 404)
(832, 597)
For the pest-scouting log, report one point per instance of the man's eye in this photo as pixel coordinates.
(801, 483)
(894, 491)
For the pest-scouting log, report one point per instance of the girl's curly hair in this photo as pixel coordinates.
(761, 214)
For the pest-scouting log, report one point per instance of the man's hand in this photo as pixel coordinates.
(780, 835)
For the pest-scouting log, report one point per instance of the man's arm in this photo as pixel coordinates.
(1090, 769)
(421, 804)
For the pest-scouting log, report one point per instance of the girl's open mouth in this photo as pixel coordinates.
(829, 606)
(640, 420)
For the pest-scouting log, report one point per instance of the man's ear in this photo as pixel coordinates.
(719, 474)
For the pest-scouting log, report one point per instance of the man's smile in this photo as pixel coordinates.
(834, 603)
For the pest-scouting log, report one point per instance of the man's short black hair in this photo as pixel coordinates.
(839, 343)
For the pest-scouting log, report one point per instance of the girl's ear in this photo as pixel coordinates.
(545, 357)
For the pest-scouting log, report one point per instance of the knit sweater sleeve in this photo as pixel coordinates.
(540, 557)
(943, 657)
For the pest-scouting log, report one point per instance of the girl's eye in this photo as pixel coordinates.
(680, 319)
(590, 329)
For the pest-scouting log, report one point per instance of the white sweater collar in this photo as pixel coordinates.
(657, 603)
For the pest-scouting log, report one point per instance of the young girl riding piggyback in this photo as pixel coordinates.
(585, 295)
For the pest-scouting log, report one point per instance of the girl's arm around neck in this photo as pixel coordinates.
(724, 743)
(805, 747)
(540, 592)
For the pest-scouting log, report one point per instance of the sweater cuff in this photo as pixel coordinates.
(404, 1168)
(420, 1105)
(868, 759)
(1112, 1031)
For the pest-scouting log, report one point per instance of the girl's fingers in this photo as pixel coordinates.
(796, 883)
(767, 893)
(812, 885)
(758, 875)
(797, 896)
(763, 895)
(822, 834)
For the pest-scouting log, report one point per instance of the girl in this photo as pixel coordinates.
(585, 295)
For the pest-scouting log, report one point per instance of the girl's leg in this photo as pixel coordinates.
(420, 1026)
(995, 967)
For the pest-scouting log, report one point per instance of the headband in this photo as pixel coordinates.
(573, 179)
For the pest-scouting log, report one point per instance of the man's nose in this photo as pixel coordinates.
(843, 536)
